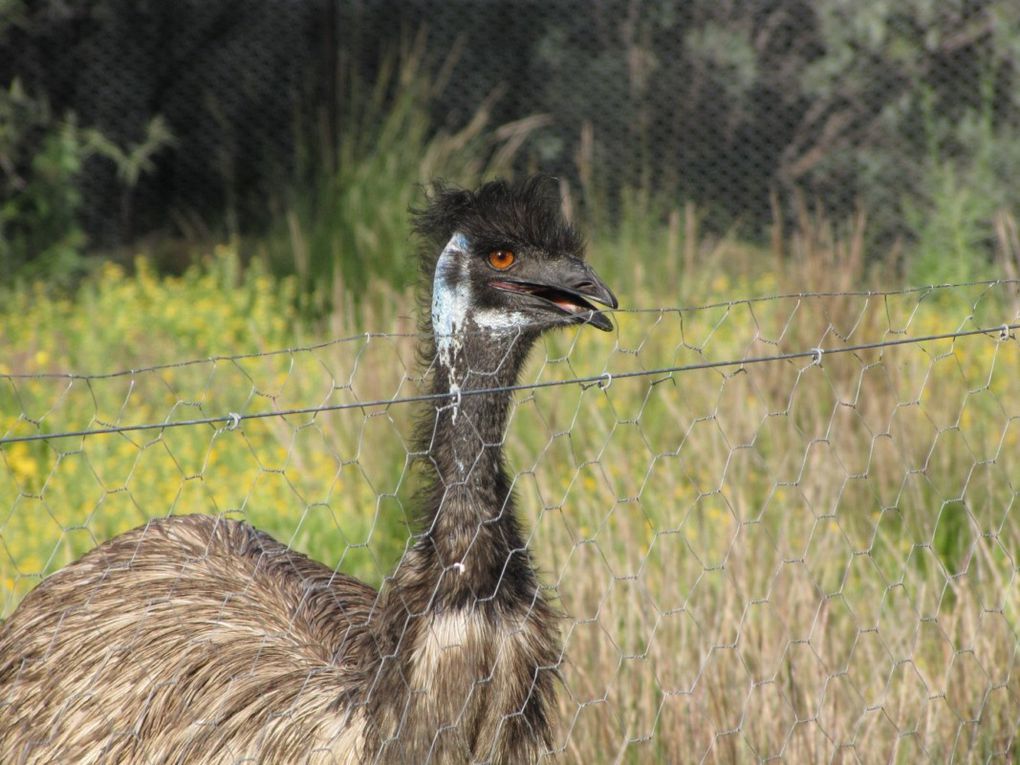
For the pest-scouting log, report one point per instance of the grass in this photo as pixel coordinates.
(347, 225)
(814, 562)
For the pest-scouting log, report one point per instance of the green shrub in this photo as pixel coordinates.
(40, 159)
(348, 222)
(966, 180)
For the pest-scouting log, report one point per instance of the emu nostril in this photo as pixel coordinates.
(579, 278)
(588, 284)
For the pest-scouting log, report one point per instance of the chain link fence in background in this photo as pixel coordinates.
(176, 117)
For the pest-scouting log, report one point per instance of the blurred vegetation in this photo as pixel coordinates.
(40, 159)
(349, 223)
(303, 131)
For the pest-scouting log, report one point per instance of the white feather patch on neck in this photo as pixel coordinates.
(452, 310)
(504, 322)
(451, 300)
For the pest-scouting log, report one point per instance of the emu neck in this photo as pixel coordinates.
(469, 522)
(468, 519)
(470, 550)
(466, 439)
(463, 624)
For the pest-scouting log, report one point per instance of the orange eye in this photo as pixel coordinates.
(501, 260)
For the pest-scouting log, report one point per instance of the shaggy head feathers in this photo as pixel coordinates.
(498, 215)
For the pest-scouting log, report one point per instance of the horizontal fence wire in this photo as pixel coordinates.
(924, 290)
(806, 552)
(233, 419)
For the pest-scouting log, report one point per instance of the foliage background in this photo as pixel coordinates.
(125, 120)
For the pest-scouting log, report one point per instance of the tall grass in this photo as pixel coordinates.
(348, 225)
(814, 562)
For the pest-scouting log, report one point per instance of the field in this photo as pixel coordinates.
(811, 558)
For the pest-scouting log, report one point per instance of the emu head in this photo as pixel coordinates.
(504, 266)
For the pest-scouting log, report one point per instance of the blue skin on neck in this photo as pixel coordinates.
(452, 314)
(451, 300)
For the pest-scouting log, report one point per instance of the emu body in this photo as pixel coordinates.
(201, 639)
(231, 647)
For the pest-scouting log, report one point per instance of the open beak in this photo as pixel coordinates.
(568, 291)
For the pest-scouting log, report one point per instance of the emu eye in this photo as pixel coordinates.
(501, 260)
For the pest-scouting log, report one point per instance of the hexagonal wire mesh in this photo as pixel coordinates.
(779, 527)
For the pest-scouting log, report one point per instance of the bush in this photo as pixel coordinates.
(346, 221)
(40, 159)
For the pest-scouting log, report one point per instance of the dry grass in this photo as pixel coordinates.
(780, 560)
(787, 560)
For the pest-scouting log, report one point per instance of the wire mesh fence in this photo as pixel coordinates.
(209, 110)
(777, 527)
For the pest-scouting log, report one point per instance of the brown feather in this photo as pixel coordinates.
(200, 639)
(227, 632)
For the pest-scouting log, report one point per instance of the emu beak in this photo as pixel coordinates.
(566, 287)
(583, 282)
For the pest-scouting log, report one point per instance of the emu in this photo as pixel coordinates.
(201, 639)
